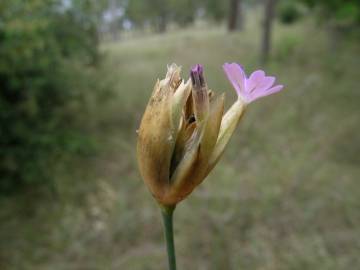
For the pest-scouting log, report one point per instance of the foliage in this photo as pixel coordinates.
(216, 10)
(289, 11)
(341, 12)
(184, 12)
(42, 45)
(159, 13)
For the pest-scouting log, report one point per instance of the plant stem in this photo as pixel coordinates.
(167, 214)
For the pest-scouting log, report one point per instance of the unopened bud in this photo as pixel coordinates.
(199, 93)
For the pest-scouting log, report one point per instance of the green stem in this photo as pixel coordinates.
(167, 214)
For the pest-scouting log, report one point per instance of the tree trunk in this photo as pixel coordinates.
(233, 15)
(240, 16)
(114, 30)
(162, 23)
(114, 21)
(267, 27)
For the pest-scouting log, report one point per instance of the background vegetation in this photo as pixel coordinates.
(75, 77)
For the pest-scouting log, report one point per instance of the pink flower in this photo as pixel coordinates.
(249, 89)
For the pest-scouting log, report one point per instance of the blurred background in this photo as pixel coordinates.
(75, 77)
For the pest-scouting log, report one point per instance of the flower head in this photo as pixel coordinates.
(184, 131)
(249, 89)
(182, 134)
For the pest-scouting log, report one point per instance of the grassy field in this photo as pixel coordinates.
(286, 194)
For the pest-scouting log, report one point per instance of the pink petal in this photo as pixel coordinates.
(254, 80)
(274, 89)
(266, 83)
(267, 92)
(236, 76)
(257, 75)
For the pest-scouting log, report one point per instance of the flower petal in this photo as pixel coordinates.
(274, 89)
(267, 92)
(236, 76)
(254, 80)
(266, 83)
(257, 75)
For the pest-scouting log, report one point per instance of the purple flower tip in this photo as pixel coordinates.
(198, 68)
(249, 89)
(197, 76)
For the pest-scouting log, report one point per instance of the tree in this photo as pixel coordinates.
(269, 10)
(339, 16)
(235, 20)
(214, 9)
(113, 27)
(156, 13)
(183, 12)
(338, 11)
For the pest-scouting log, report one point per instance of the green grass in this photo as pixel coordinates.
(284, 196)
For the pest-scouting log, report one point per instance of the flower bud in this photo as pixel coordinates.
(199, 93)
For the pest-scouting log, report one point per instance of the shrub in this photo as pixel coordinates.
(289, 12)
(41, 47)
